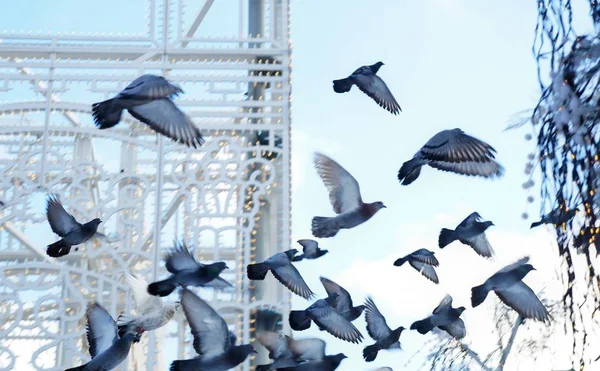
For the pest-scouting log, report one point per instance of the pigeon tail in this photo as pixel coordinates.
(423, 326)
(106, 114)
(536, 224)
(478, 295)
(78, 368)
(299, 321)
(58, 249)
(342, 85)
(162, 288)
(297, 258)
(257, 271)
(323, 227)
(370, 352)
(409, 172)
(184, 365)
(447, 236)
(400, 261)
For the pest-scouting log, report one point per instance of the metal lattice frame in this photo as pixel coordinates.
(230, 199)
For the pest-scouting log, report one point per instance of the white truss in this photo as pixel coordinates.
(230, 199)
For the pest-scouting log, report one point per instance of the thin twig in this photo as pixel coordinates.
(509, 345)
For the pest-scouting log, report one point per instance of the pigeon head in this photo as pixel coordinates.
(375, 207)
(241, 352)
(291, 253)
(216, 268)
(358, 310)
(399, 330)
(486, 225)
(96, 222)
(375, 67)
(338, 358)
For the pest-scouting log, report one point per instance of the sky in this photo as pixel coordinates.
(449, 63)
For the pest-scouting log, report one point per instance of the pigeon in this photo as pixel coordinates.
(328, 363)
(508, 285)
(2, 205)
(343, 301)
(283, 270)
(383, 369)
(187, 271)
(148, 99)
(288, 352)
(379, 331)
(556, 217)
(423, 261)
(366, 79)
(445, 318)
(470, 232)
(65, 226)
(344, 195)
(152, 313)
(456, 152)
(327, 318)
(310, 250)
(107, 348)
(213, 341)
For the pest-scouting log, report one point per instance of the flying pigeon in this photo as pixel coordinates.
(213, 341)
(453, 151)
(283, 270)
(288, 352)
(508, 285)
(344, 195)
(148, 99)
(310, 250)
(343, 301)
(328, 363)
(65, 226)
(366, 79)
(187, 271)
(326, 318)
(379, 331)
(423, 261)
(107, 349)
(470, 232)
(556, 217)
(445, 318)
(152, 313)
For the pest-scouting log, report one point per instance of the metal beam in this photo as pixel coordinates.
(197, 21)
(13, 230)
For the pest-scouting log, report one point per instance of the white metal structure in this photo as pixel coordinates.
(229, 199)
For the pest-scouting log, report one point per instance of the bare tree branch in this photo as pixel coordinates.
(509, 345)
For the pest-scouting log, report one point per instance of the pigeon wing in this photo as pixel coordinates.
(524, 260)
(163, 116)
(377, 327)
(307, 349)
(210, 332)
(289, 277)
(333, 322)
(276, 344)
(60, 220)
(425, 269)
(425, 256)
(376, 89)
(343, 301)
(344, 191)
(490, 169)
(470, 220)
(144, 302)
(456, 146)
(445, 304)
(180, 259)
(481, 245)
(150, 87)
(456, 329)
(218, 283)
(101, 329)
(308, 246)
(524, 301)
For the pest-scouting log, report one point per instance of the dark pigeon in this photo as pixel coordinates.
(343, 301)
(456, 152)
(310, 250)
(366, 79)
(213, 341)
(107, 349)
(283, 270)
(508, 285)
(148, 99)
(344, 195)
(187, 271)
(288, 352)
(470, 232)
(445, 318)
(329, 363)
(423, 261)
(327, 318)
(556, 217)
(72, 232)
(379, 331)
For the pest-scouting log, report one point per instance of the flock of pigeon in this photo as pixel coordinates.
(149, 99)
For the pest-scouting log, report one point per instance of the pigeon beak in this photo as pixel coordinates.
(254, 351)
(226, 267)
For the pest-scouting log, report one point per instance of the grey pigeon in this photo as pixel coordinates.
(366, 79)
(283, 270)
(453, 151)
(470, 232)
(213, 341)
(556, 217)
(328, 363)
(148, 99)
(508, 285)
(423, 261)
(378, 329)
(187, 271)
(344, 195)
(107, 349)
(310, 250)
(288, 352)
(327, 318)
(151, 312)
(65, 226)
(445, 318)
